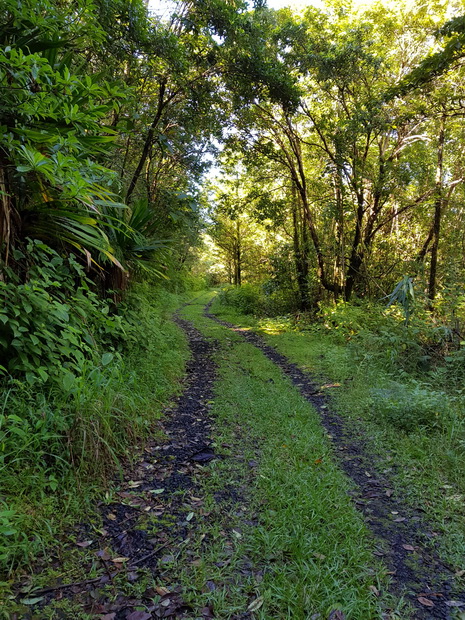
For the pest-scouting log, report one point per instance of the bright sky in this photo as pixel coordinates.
(162, 6)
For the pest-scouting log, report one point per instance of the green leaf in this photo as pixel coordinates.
(107, 358)
(68, 381)
(32, 601)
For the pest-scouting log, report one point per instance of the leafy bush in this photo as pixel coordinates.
(374, 331)
(247, 298)
(102, 378)
(264, 300)
(409, 407)
(51, 325)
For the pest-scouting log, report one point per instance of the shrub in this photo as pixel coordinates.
(408, 407)
(104, 377)
(53, 324)
(264, 300)
(247, 298)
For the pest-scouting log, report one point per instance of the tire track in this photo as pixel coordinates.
(162, 486)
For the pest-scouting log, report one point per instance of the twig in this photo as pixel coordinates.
(149, 555)
(63, 586)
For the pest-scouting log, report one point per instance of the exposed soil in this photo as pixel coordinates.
(154, 514)
(403, 538)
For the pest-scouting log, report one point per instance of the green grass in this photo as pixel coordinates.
(52, 480)
(309, 551)
(429, 461)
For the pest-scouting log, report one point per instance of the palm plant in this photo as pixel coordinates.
(53, 133)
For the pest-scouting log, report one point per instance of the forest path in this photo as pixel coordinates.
(242, 511)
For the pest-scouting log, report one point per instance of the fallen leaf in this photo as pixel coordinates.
(120, 559)
(84, 543)
(204, 456)
(425, 601)
(190, 516)
(111, 516)
(256, 604)
(207, 612)
(139, 615)
(103, 554)
(389, 492)
(460, 573)
(375, 590)
(320, 556)
(133, 484)
(399, 519)
(454, 604)
(157, 491)
(336, 615)
(161, 590)
(408, 547)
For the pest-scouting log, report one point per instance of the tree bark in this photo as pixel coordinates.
(438, 207)
(148, 140)
(300, 254)
(238, 256)
(5, 217)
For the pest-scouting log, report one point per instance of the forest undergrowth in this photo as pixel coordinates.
(66, 432)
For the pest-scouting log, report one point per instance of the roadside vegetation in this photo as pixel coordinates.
(62, 440)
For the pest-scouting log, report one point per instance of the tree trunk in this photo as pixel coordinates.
(5, 218)
(238, 257)
(300, 254)
(148, 141)
(356, 255)
(339, 267)
(299, 178)
(438, 207)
